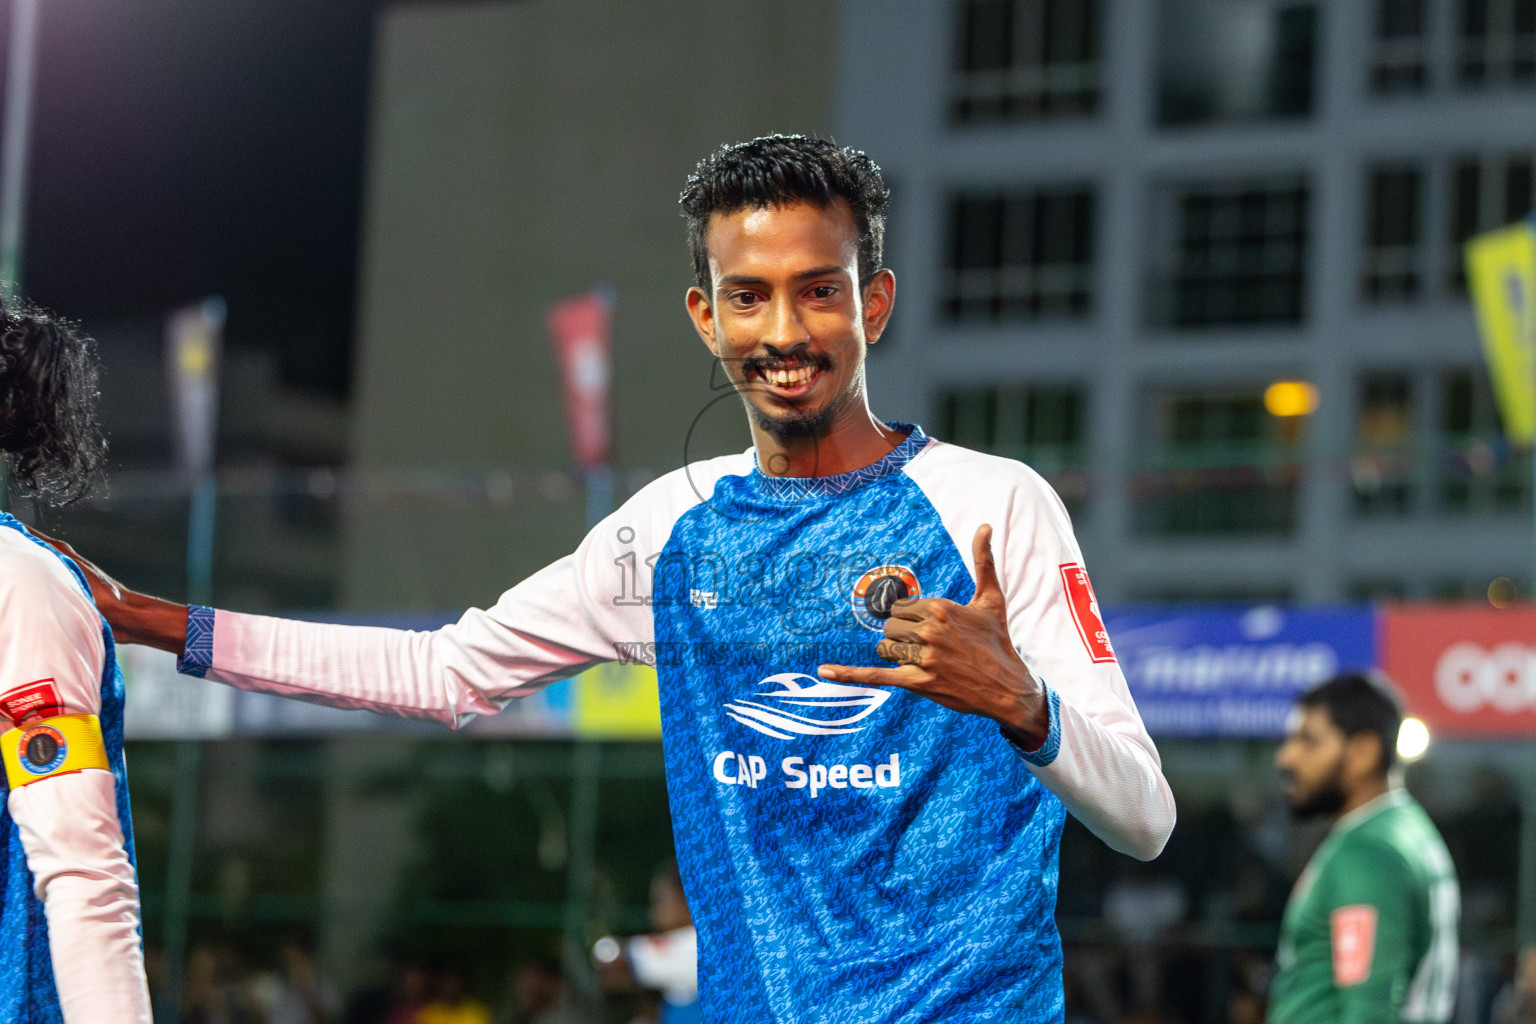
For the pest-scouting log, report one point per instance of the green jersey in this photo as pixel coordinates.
(1369, 933)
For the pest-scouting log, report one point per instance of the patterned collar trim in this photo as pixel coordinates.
(799, 488)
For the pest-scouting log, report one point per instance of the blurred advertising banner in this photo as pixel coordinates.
(1464, 670)
(194, 340)
(579, 327)
(1233, 673)
(1501, 275)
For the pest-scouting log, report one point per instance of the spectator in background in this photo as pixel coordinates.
(297, 994)
(1370, 932)
(667, 960)
(408, 992)
(1516, 1001)
(450, 1002)
(537, 995)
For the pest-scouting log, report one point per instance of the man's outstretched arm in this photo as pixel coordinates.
(548, 627)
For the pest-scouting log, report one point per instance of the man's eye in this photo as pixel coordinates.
(824, 291)
(744, 299)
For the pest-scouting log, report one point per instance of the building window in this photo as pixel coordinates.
(1477, 470)
(1219, 464)
(1239, 256)
(1225, 61)
(1392, 242)
(1020, 255)
(1383, 463)
(1496, 43)
(1400, 48)
(1020, 59)
(1040, 425)
(1487, 192)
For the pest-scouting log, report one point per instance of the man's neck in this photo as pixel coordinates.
(1361, 796)
(848, 444)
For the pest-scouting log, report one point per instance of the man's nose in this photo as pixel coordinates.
(784, 329)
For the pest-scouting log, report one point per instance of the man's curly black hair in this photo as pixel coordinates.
(777, 169)
(50, 438)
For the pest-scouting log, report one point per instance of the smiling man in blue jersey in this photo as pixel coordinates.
(884, 678)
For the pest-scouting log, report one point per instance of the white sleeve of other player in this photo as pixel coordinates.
(50, 636)
(1098, 758)
(582, 610)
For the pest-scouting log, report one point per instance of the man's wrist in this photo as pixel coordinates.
(141, 619)
(1037, 737)
(1029, 724)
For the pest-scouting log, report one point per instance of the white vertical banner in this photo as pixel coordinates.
(194, 342)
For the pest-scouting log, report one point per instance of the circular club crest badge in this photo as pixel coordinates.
(42, 749)
(877, 592)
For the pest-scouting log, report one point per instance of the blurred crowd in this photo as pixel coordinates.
(1114, 984)
(226, 984)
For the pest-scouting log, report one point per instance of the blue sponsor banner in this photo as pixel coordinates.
(1234, 672)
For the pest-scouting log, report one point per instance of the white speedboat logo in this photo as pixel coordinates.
(803, 705)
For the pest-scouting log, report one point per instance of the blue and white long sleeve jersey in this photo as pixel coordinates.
(849, 853)
(70, 951)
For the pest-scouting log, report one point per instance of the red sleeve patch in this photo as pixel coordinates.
(34, 700)
(1354, 944)
(1085, 612)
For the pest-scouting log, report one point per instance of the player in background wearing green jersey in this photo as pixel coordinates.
(1369, 933)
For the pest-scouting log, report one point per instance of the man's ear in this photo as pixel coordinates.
(1367, 758)
(879, 298)
(702, 312)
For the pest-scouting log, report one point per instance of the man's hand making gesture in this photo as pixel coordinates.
(961, 656)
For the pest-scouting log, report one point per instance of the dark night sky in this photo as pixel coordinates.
(189, 147)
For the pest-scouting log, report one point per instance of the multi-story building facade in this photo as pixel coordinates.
(1117, 222)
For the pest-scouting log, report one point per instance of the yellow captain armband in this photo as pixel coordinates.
(54, 746)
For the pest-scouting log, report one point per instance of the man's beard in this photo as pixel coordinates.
(1327, 799)
(806, 424)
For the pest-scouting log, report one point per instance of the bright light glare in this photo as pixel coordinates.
(1291, 398)
(1412, 739)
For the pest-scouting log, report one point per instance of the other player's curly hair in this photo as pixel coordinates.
(777, 169)
(50, 438)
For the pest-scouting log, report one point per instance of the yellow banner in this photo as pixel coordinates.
(1501, 274)
(616, 702)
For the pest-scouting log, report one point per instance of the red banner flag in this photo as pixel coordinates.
(1465, 671)
(579, 327)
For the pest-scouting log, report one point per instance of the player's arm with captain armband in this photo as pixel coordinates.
(62, 794)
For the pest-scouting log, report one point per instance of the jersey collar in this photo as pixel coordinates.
(1396, 796)
(799, 488)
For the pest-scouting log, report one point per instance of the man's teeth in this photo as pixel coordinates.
(789, 378)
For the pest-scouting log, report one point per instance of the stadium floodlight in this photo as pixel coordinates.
(1412, 739)
(1291, 398)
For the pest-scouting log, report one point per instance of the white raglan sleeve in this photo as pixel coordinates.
(52, 656)
(1097, 758)
(577, 612)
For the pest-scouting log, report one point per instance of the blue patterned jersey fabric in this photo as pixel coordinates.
(851, 853)
(27, 990)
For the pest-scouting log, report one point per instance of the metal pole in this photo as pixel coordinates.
(1525, 900)
(585, 776)
(13, 149)
(13, 160)
(586, 771)
(189, 759)
(178, 873)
